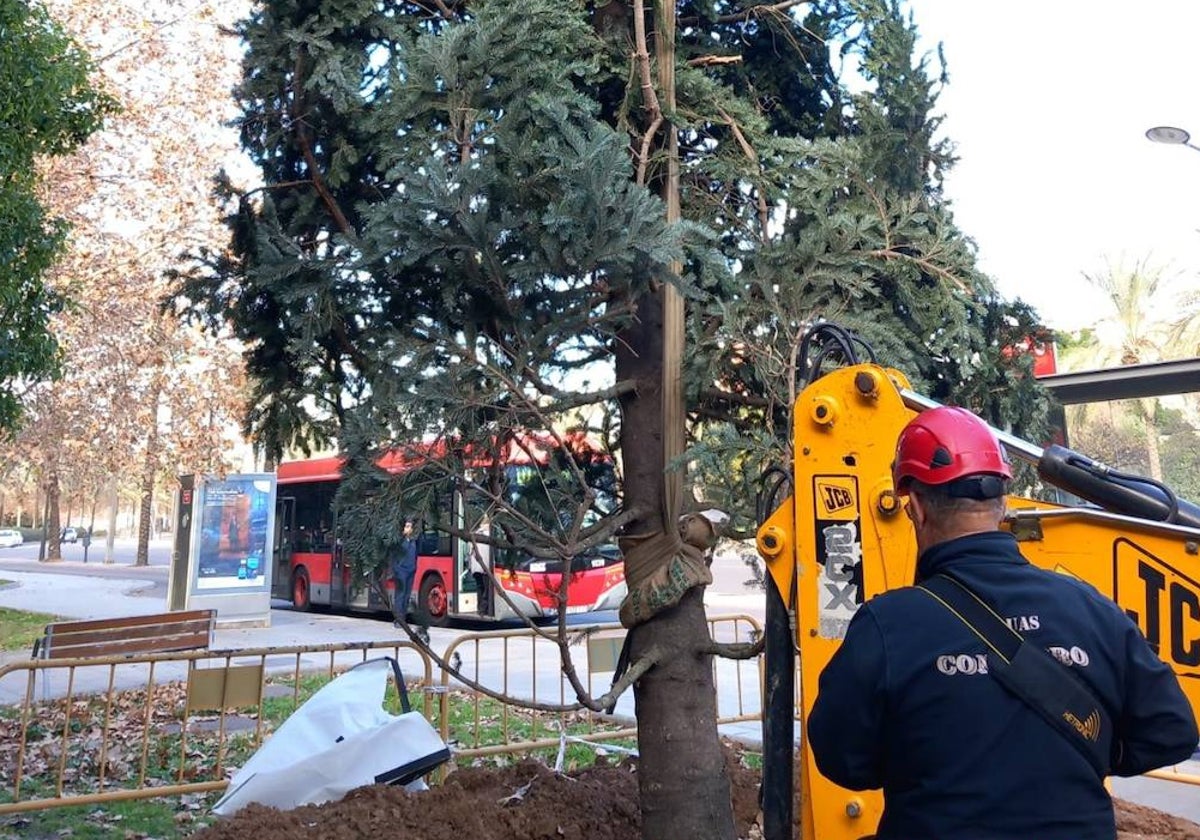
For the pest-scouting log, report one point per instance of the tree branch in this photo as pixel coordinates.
(921, 262)
(585, 701)
(736, 650)
(310, 159)
(450, 669)
(748, 150)
(710, 60)
(649, 95)
(749, 400)
(634, 673)
(747, 14)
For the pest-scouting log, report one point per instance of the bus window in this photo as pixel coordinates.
(431, 542)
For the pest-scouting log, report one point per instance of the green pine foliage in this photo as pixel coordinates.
(450, 235)
(47, 107)
(866, 241)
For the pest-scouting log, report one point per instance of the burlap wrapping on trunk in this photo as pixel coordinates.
(654, 585)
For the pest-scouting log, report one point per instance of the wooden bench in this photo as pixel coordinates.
(165, 632)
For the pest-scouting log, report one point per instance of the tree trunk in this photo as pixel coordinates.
(53, 546)
(682, 778)
(145, 506)
(149, 471)
(114, 503)
(1152, 451)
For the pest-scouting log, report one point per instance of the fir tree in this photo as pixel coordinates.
(463, 235)
(868, 242)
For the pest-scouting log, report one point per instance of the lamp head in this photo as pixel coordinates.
(1168, 134)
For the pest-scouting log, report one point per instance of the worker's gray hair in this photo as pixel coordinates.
(942, 503)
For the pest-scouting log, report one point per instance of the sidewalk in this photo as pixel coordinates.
(83, 597)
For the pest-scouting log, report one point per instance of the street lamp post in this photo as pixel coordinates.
(1171, 135)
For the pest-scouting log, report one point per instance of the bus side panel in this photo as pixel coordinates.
(441, 566)
(588, 590)
(319, 566)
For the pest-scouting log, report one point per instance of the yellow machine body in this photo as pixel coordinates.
(843, 507)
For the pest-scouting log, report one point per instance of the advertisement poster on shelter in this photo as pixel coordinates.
(233, 520)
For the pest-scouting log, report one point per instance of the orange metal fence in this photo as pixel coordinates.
(87, 731)
(525, 665)
(130, 727)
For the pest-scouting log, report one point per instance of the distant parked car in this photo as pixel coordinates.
(69, 534)
(9, 538)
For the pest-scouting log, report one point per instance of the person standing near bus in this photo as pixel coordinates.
(404, 570)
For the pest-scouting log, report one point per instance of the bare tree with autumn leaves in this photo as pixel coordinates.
(143, 398)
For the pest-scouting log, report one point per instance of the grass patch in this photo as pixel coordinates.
(165, 818)
(473, 720)
(19, 629)
(476, 721)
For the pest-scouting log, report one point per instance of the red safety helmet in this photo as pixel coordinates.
(945, 444)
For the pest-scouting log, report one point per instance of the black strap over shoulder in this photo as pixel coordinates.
(1032, 674)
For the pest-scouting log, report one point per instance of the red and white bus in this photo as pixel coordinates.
(454, 577)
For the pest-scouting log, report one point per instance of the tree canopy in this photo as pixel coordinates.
(136, 197)
(47, 107)
(463, 235)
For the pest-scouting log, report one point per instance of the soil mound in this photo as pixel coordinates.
(528, 801)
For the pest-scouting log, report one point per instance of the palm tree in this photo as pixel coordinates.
(1185, 329)
(1132, 334)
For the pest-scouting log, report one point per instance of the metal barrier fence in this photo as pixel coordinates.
(524, 665)
(118, 728)
(131, 727)
(127, 727)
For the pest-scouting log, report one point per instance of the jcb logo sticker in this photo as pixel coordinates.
(837, 498)
(1163, 602)
(839, 553)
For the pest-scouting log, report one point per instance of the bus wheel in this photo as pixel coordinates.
(433, 607)
(301, 591)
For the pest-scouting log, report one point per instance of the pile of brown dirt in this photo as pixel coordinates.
(1137, 822)
(527, 801)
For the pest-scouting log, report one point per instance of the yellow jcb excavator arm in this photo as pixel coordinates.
(843, 509)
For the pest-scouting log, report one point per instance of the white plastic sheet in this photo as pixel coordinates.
(342, 738)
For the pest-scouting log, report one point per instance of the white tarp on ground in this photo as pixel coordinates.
(340, 739)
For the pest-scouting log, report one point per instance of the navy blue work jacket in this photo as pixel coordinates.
(404, 558)
(906, 705)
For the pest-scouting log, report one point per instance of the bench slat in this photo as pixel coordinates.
(185, 630)
(130, 646)
(71, 636)
(134, 620)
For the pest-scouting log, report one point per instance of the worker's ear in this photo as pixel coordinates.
(917, 511)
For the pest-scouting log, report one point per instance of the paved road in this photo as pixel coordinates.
(732, 591)
(124, 550)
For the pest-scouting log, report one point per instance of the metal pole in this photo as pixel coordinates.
(779, 703)
(1023, 449)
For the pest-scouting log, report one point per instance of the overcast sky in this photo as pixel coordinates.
(1048, 103)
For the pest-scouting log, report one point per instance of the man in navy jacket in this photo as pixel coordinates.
(404, 571)
(907, 704)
